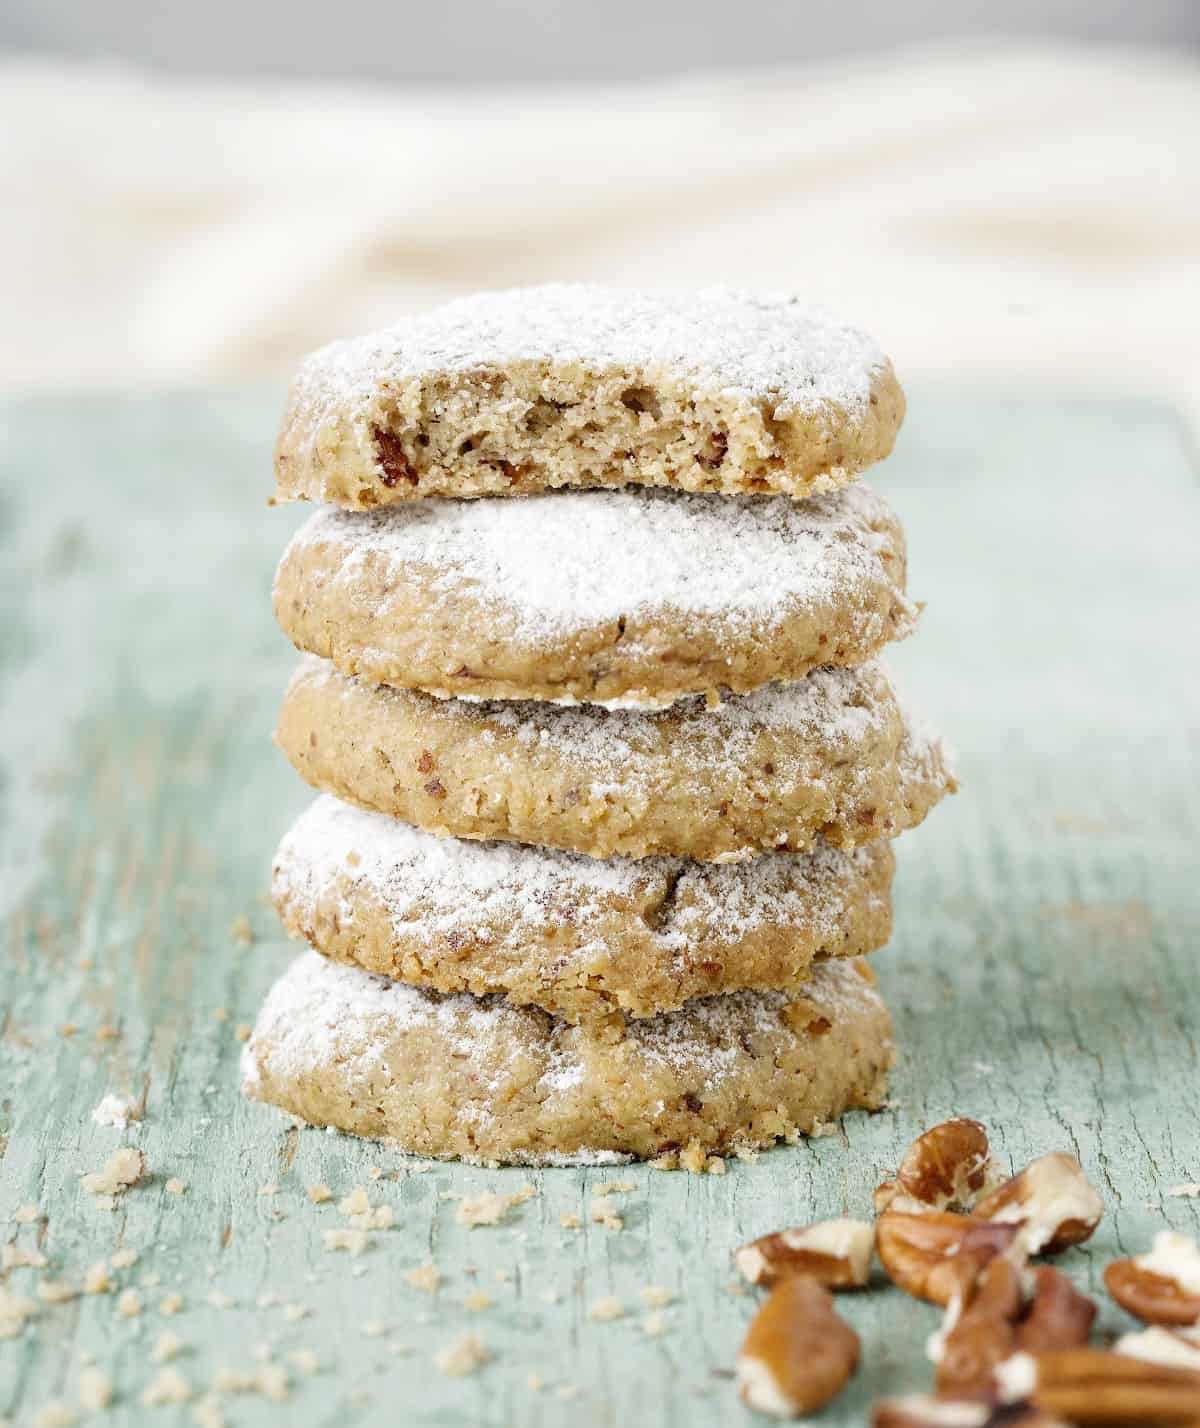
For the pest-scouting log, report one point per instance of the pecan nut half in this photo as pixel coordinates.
(922, 1410)
(946, 1168)
(1161, 1287)
(938, 1255)
(798, 1352)
(836, 1253)
(1051, 1199)
(1095, 1389)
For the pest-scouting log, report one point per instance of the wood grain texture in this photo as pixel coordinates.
(1042, 973)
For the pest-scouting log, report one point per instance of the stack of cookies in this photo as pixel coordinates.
(608, 768)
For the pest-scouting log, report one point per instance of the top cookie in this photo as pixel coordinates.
(564, 385)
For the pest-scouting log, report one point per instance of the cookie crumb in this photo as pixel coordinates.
(352, 1241)
(356, 1203)
(488, 1208)
(167, 1386)
(1184, 1192)
(219, 1299)
(654, 1324)
(602, 1213)
(56, 1291)
(426, 1277)
(477, 1301)
(535, 1382)
(123, 1258)
(467, 1354)
(18, 1257)
(117, 1111)
(305, 1360)
(293, 1313)
(96, 1279)
(166, 1346)
(26, 1214)
(15, 1309)
(129, 1304)
(207, 1413)
(172, 1304)
(122, 1169)
(241, 931)
(95, 1390)
(319, 1193)
(656, 1296)
(374, 1328)
(54, 1414)
(570, 1221)
(268, 1190)
(242, 1031)
(606, 1309)
(175, 1186)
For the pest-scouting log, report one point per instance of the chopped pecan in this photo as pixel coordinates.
(921, 1410)
(1177, 1348)
(1057, 1317)
(1090, 1387)
(1162, 1286)
(998, 1321)
(836, 1253)
(937, 1255)
(393, 459)
(980, 1336)
(798, 1352)
(1051, 1199)
(946, 1168)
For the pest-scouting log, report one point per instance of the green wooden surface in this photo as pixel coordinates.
(1042, 973)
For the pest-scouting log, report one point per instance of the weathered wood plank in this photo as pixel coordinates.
(1043, 972)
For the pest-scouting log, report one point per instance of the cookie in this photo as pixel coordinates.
(835, 757)
(621, 597)
(579, 937)
(482, 1080)
(536, 388)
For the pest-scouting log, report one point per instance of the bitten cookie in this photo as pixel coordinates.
(630, 597)
(482, 1080)
(579, 937)
(834, 757)
(584, 386)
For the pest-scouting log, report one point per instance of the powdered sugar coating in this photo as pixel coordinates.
(512, 894)
(765, 346)
(832, 706)
(317, 1006)
(831, 756)
(634, 555)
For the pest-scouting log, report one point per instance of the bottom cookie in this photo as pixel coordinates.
(479, 1079)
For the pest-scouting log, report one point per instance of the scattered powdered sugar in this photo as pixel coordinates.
(318, 1010)
(634, 555)
(511, 894)
(765, 347)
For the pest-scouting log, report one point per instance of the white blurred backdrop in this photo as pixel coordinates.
(203, 193)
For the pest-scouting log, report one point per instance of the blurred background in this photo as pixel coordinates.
(201, 193)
